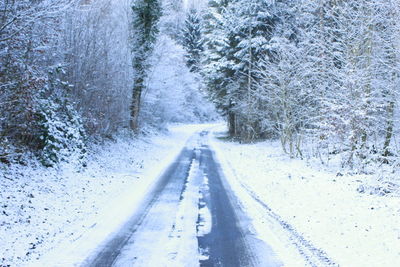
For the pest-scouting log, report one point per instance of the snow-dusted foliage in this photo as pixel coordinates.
(98, 63)
(237, 34)
(192, 40)
(29, 39)
(145, 17)
(69, 67)
(47, 59)
(62, 133)
(321, 72)
(173, 18)
(173, 93)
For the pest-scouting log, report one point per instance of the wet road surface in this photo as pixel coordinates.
(190, 218)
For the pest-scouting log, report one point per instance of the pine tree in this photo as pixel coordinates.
(217, 70)
(253, 35)
(237, 39)
(192, 40)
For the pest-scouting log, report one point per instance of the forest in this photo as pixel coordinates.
(259, 130)
(74, 72)
(320, 76)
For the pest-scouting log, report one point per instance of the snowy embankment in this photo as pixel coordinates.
(300, 206)
(58, 216)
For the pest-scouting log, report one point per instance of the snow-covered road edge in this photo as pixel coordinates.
(266, 229)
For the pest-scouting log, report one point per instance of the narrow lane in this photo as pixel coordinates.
(164, 197)
(231, 241)
(191, 218)
(225, 244)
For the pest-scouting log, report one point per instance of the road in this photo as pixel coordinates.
(191, 217)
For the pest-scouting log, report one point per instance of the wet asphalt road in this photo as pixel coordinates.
(229, 242)
(225, 242)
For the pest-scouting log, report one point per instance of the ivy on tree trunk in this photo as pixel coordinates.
(146, 14)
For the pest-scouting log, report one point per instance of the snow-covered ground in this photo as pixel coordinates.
(307, 213)
(57, 216)
(302, 206)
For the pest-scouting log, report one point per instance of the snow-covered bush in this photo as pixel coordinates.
(62, 133)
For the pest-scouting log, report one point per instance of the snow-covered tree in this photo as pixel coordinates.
(173, 18)
(323, 72)
(86, 43)
(30, 33)
(146, 14)
(173, 93)
(98, 63)
(192, 40)
(217, 71)
(237, 40)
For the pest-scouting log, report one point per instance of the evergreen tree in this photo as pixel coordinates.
(252, 34)
(217, 70)
(192, 40)
(238, 35)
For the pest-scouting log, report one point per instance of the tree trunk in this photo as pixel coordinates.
(135, 105)
(368, 43)
(389, 130)
(232, 123)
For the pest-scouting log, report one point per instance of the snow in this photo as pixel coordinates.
(306, 206)
(56, 217)
(186, 102)
(182, 247)
(205, 218)
(307, 213)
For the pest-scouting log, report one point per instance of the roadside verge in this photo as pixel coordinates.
(308, 215)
